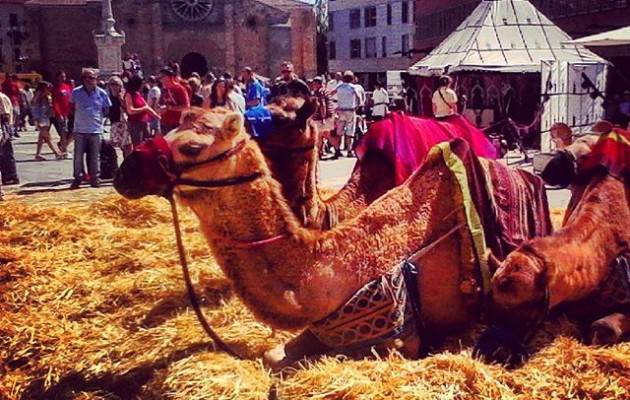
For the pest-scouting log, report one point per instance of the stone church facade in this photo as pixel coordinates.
(202, 35)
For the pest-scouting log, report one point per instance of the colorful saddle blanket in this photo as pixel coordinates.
(407, 140)
(382, 310)
(612, 151)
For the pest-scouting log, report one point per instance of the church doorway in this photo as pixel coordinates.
(194, 62)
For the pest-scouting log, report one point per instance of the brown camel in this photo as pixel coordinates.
(292, 277)
(293, 154)
(575, 263)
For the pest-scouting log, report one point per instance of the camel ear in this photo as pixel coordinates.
(232, 125)
(307, 110)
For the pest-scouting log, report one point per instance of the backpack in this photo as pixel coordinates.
(109, 160)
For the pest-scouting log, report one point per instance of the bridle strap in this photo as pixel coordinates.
(279, 149)
(218, 183)
(191, 290)
(187, 167)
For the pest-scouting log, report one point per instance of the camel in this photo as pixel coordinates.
(292, 151)
(291, 277)
(577, 264)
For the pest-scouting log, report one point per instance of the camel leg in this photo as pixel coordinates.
(303, 345)
(610, 329)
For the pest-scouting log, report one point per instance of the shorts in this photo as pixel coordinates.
(347, 123)
(325, 125)
(43, 123)
(138, 131)
(154, 124)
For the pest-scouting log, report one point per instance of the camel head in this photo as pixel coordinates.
(562, 169)
(292, 126)
(155, 165)
(519, 283)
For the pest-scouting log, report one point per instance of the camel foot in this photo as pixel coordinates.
(610, 329)
(299, 348)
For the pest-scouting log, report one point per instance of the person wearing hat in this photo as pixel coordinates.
(348, 100)
(91, 104)
(174, 99)
(254, 90)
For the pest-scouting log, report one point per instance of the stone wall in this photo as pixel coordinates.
(235, 34)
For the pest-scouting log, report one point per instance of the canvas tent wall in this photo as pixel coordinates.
(510, 37)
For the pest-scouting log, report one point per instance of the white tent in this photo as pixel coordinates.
(512, 36)
(503, 36)
(618, 37)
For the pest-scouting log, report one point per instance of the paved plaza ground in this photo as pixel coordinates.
(55, 176)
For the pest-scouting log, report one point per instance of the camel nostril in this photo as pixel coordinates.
(505, 285)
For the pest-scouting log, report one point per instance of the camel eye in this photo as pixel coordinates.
(191, 149)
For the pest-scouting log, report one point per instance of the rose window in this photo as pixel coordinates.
(192, 10)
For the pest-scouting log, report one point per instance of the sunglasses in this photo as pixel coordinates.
(89, 77)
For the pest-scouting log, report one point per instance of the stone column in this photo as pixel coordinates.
(109, 43)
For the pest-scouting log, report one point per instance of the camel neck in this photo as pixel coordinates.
(309, 274)
(576, 268)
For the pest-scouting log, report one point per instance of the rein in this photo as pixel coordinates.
(194, 301)
(177, 180)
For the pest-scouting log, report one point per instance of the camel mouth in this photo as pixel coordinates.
(144, 171)
(560, 170)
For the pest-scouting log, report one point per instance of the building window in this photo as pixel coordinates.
(332, 50)
(355, 18)
(405, 12)
(389, 14)
(384, 46)
(13, 20)
(370, 16)
(355, 48)
(331, 22)
(370, 47)
(405, 45)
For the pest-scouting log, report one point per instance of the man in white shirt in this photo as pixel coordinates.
(347, 102)
(153, 99)
(444, 99)
(380, 99)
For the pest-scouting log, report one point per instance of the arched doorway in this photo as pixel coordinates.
(194, 62)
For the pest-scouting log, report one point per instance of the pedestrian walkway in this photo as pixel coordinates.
(55, 176)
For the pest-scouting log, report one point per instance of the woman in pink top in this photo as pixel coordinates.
(138, 111)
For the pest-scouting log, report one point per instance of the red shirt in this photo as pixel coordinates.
(138, 101)
(176, 95)
(12, 90)
(61, 100)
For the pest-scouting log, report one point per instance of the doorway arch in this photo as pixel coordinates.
(194, 62)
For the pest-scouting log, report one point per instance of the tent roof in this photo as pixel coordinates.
(616, 37)
(503, 36)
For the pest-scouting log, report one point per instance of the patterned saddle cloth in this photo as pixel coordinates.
(614, 290)
(381, 311)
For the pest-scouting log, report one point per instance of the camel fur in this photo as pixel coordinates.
(303, 275)
(573, 261)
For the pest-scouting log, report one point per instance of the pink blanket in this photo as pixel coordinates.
(406, 140)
